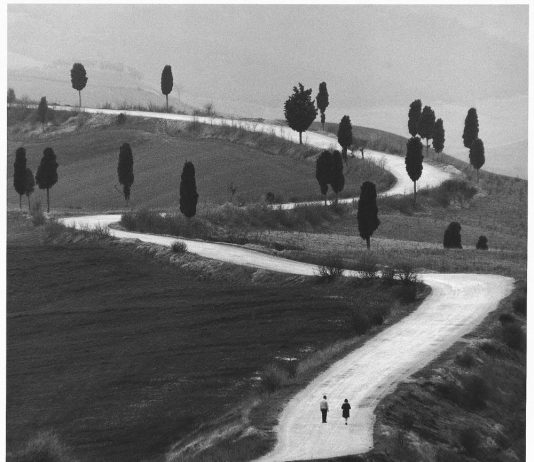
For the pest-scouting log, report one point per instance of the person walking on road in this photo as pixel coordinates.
(346, 410)
(324, 408)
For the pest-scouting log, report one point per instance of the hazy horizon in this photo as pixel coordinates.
(245, 59)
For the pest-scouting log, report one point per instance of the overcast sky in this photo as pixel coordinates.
(247, 58)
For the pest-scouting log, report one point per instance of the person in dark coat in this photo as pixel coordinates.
(346, 410)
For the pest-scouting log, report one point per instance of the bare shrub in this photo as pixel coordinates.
(367, 266)
(44, 447)
(331, 268)
(274, 377)
(179, 247)
(514, 336)
(406, 273)
(36, 213)
(470, 440)
(389, 275)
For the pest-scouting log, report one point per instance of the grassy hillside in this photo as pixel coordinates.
(87, 152)
(118, 354)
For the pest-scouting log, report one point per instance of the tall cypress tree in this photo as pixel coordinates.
(42, 110)
(166, 83)
(29, 185)
(438, 139)
(46, 176)
(414, 161)
(188, 191)
(19, 175)
(470, 127)
(299, 110)
(476, 155)
(125, 170)
(367, 214)
(78, 79)
(323, 165)
(322, 101)
(426, 125)
(414, 114)
(337, 179)
(344, 135)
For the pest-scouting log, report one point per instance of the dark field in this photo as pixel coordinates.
(121, 355)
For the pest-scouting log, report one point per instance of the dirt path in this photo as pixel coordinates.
(457, 304)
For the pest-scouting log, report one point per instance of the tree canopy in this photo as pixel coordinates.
(299, 110)
(78, 78)
(166, 83)
(426, 124)
(125, 169)
(476, 155)
(323, 165)
(367, 215)
(19, 174)
(438, 139)
(46, 176)
(11, 98)
(188, 191)
(452, 238)
(414, 160)
(470, 127)
(414, 114)
(344, 135)
(42, 110)
(322, 101)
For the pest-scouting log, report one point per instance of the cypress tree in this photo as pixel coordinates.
(414, 161)
(42, 110)
(426, 125)
(414, 114)
(11, 98)
(19, 175)
(323, 165)
(299, 110)
(438, 139)
(29, 185)
(482, 243)
(470, 127)
(367, 214)
(476, 155)
(166, 83)
(344, 135)
(78, 79)
(322, 101)
(188, 191)
(337, 179)
(452, 238)
(125, 170)
(46, 176)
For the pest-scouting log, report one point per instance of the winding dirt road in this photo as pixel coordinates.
(457, 304)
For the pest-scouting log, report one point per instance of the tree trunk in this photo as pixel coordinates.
(477, 174)
(414, 193)
(337, 197)
(80, 98)
(344, 154)
(427, 148)
(325, 203)
(322, 124)
(20, 201)
(167, 100)
(28, 202)
(368, 241)
(363, 157)
(300, 137)
(48, 200)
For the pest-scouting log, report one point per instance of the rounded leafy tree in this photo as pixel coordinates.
(166, 83)
(414, 114)
(452, 238)
(299, 110)
(482, 243)
(78, 78)
(46, 176)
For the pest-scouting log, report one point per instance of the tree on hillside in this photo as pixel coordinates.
(323, 165)
(476, 155)
(322, 101)
(337, 179)
(42, 111)
(414, 114)
(46, 176)
(367, 214)
(78, 78)
(19, 175)
(452, 238)
(426, 125)
(360, 144)
(11, 98)
(482, 243)
(470, 127)
(125, 170)
(299, 110)
(166, 83)
(188, 191)
(438, 139)
(344, 135)
(414, 161)
(29, 185)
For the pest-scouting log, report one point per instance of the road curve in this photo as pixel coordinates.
(457, 304)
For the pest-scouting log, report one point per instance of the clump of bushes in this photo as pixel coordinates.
(465, 359)
(389, 275)
(331, 268)
(470, 440)
(451, 191)
(179, 247)
(121, 119)
(367, 266)
(520, 305)
(37, 214)
(406, 273)
(54, 229)
(482, 243)
(274, 377)
(514, 336)
(452, 238)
